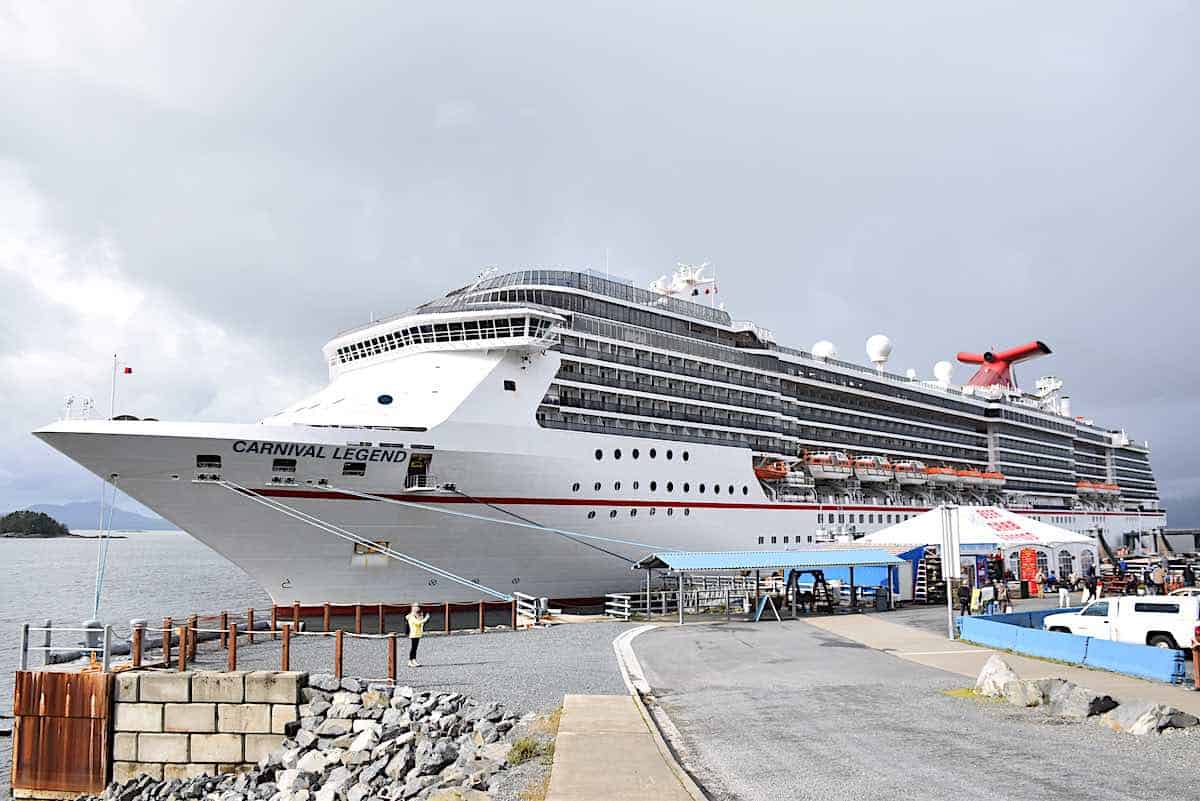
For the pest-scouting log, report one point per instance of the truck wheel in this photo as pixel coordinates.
(1062, 629)
(1162, 641)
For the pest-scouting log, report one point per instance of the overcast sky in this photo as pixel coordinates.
(212, 190)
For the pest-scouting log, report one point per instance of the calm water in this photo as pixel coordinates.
(150, 575)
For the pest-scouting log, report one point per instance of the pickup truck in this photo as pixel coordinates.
(1165, 621)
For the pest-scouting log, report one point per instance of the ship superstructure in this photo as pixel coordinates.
(579, 403)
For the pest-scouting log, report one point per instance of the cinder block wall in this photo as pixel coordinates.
(178, 725)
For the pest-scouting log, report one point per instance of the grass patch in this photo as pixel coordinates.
(536, 791)
(548, 724)
(969, 692)
(527, 748)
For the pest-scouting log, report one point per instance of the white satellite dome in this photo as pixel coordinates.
(942, 371)
(910, 374)
(825, 350)
(879, 348)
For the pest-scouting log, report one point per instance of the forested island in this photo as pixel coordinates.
(31, 525)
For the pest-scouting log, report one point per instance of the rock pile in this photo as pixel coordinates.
(1063, 699)
(355, 742)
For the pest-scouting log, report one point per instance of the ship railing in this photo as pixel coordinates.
(528, 608)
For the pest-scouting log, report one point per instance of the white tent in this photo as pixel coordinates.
(986, 529)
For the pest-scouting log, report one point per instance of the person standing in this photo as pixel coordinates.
(964, 599)
(1158, 579)
(1189, 576)
(1038, 580)
(416, 630)
(1064, 595)
(1002, 598)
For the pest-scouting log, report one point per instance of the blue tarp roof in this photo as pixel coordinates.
(759, 560)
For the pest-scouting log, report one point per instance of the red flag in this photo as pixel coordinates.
(128, 371)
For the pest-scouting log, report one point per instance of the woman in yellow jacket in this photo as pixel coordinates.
(416, 629)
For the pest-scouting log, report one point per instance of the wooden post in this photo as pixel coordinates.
(358, 618)
(391, 657)
(193, 624)
(514, 614)
(231, 657)
(285, 657)
(250, 625)
(337, 653)
(296, 615)
(325, 617)
(274, 621)
(382, 623)
(135, 646)
(224, 629)
(166, 643)
(481, 617)
(183, 651)
(446, 618)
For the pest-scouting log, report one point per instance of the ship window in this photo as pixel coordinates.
(716, 489)
(773, 540)
(283, 466)
(685, 456)
(633, 512)
(612, 512)
(599, 454)
(702, 488)
(635, 453)
(687, 512)
(841, 518)
(730, 489)
(745, 490)
(510, 386)
(653, 453)
(785, 540)
(617, 453)
(636, 484)
(596, 486)
(670, 511)
(653, 486)
(687, 487)
(653, 511)
(861, 519)
(760, 540)
(617, 485)
(354, 469)
(384, 399)
(208, 462)
(591, 515)
(670, 486)
(820, 518)
(670, 455)
(575, 487)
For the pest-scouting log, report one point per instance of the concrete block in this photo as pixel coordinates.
(190, 718)
(125, 746)
(163, 687)
(281, 715)
(244, 718)
(162, 747)
(127, 687)
(233, 767)
(190, 770)
(138, 717)
(222, 688)
(259, 745)
(274, 687)
(124, 771)
(216, 747)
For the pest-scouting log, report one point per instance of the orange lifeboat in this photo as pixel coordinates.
(941, 475)
(971, 477)
(993, 480)
(771, 471)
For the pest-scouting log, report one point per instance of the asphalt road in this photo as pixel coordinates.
(772, 711)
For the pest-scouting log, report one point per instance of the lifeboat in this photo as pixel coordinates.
(1086, 487)
(829, 466)
(1110, 489)
(910, 473)
(942, 475)
(771, 471)
(872, 469)
(970, 477)
(993, 480)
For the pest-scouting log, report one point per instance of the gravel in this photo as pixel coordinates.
(790, 711)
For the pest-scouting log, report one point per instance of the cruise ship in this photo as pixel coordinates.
(538, 430)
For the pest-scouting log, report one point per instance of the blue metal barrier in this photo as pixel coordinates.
(1051, 645)
(988, 632)
(1159, 664)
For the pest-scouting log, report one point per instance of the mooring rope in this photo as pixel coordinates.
(350, 536)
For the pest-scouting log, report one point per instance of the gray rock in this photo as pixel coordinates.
(324, 681)
(1138, 717)
(395, 718)
(338, 779)
(372, 698)
(351, 684)
(343, 697)
(431, 757)
(1022, 693)
(1183, 720)
(310, 694)
(1078, 703)
(344, 710)
(313, 762)
(992, 678)
(416, 784)
(335, 727)
(366, 740)
(399, 764)
(314, 709)
(305, 738)
(290, 780)
(358, 792)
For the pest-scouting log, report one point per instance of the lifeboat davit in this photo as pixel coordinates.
(909, 473)
(829, 466)
(942, 475)
(771, 471)
(872, 469)
(993, 480)
(970, 477)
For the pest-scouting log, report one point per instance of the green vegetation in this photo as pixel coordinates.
(33, 525)
(969, 692)
(527, 748)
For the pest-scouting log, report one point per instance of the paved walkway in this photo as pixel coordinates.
(605, 751)
(933, 650)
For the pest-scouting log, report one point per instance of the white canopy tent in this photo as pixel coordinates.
(987, 529)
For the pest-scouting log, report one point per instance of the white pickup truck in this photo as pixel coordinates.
(1166, 621)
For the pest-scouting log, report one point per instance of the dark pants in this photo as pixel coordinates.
(413, 642)
(964, 607)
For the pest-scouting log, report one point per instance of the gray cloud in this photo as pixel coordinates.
(954, 175)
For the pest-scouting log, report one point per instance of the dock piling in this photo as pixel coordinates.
(325, 617)
(193, 624)
(285, 657)
(481, 617)
(135, 646)
(391, 657)
(382, 621)
(296, 615)
(337, 653)
(358, 618)
(446, 618)
(231, 656)
(274, 621)
(250, 625)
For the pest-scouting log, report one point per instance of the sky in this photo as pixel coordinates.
(212, 190)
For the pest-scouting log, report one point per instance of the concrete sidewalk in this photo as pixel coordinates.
(930, 649)
(606, 751)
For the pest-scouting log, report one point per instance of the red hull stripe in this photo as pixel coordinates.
(279, 492)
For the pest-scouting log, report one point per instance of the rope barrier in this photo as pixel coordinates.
(350, 536)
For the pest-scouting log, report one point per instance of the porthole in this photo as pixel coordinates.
(636, 484)
(702, 488)
(616, 486)
(670, 511)
(685, 456)
(591, 515)
(384, 399)
(745, 490)
(653, 486)
(612, 512)
(575, 487)
(599, 454)
(730, 489)
(670, 486)
(760, 540)
(617, 453)
(653, 453)
(670, 455)
(634, 453)
(633, 512)
(687, 487)
(653, 511)
(687, 512)
(596, 486)
(716, 489)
